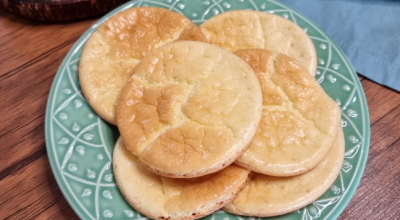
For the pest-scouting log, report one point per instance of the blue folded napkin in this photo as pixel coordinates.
(368, 31)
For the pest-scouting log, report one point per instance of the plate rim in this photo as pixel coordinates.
(345, 198)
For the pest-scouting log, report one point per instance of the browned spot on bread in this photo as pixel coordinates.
(112, 52)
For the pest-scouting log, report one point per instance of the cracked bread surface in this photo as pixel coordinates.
(245, 29)
(268, 196)
(299, 120)
(161, 197)
(116, 47)
(189, 109)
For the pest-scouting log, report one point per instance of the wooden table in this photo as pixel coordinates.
(30, 54)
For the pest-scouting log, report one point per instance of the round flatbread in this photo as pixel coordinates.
(163, 198)
(299, 121)
(114, 49)
(270, 196)
(245, 29)
(189, 109)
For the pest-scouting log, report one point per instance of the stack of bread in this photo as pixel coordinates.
(225, 115)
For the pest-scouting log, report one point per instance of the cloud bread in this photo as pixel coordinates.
(189, 109)
(112, 52)
(161, 197)
(245, 29)
(299, 120)
(270, 196)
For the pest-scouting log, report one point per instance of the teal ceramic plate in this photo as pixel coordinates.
(80, 144)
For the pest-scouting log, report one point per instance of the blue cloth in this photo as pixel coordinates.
(368, 31)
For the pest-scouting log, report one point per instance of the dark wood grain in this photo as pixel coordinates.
(30, 54)
(379, 191)
(32, 192)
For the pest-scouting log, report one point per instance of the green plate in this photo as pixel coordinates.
(80, 144)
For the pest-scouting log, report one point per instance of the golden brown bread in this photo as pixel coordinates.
(114, 49)
(270, 196)
(160, 197)
(245, 29)
(299, 120)
(190, 109)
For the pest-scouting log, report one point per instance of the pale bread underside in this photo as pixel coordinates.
(268, 196)
(165, 198)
